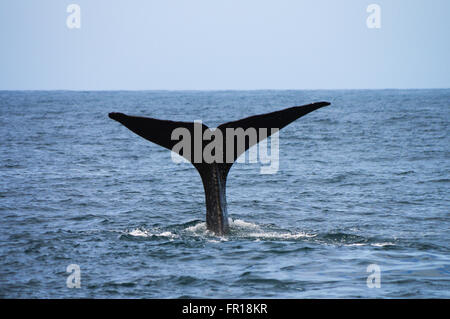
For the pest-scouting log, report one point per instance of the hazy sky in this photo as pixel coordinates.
(224, 44)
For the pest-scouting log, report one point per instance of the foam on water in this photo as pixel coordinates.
(150, 233)
(243, 229)
(138, 233)
(239, 229)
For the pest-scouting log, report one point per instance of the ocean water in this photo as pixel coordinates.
(364, 181)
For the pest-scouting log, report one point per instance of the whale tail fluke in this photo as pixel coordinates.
(160, 131)
(214, 174)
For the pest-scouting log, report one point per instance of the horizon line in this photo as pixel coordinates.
(224, 90)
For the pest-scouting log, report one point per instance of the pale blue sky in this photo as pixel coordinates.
(218, 44)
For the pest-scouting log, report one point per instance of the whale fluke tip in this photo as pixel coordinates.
(116, 116)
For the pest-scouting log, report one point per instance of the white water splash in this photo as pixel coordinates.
(138, 233)
(255, 231)
(145, 233)
(275, 235)
(244, 229)
(373, 245)
(238, 223)
(198, 228)
(238, 229)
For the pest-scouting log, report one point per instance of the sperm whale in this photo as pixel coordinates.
(214, 172)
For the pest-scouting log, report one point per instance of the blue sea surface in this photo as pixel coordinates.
(364, 181)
